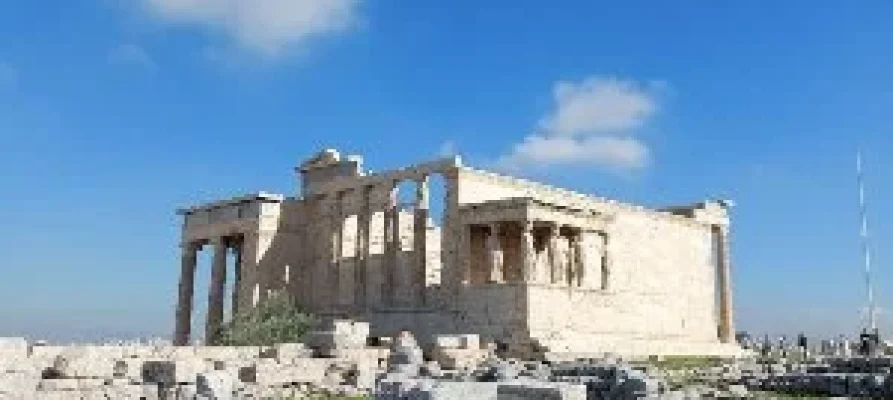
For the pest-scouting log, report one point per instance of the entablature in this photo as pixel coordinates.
(242, 214)
(527, 209)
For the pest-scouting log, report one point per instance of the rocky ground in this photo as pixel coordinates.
(339, 364)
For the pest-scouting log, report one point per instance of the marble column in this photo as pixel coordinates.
(392, 246)
(361, 267)
(605, 271)
(420, 240)
(463, 256)
(569, 261)
(183, 323)
(316, 234)
(451, 261)
(238, 244)
(494, 254)
(726, 320)
(555, 267)
(216, 290)
(528, 253)
(306, 271)
(337, 224)
(575, 259)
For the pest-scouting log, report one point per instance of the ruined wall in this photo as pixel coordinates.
(497, 312)
(281, 253)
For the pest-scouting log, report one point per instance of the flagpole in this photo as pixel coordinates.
(866, 250)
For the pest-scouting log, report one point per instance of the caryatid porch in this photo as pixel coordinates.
(526, 240)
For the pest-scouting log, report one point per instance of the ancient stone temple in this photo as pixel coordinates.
(527, 266)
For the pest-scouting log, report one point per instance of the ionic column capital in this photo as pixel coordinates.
(216, 289)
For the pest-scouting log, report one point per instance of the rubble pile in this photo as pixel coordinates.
(336, 361)
(284, 371)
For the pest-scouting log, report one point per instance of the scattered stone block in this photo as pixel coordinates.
(339, 334)
(160, 373)
(459, 358)
(309, 370)
(426, 389)
(406, 356)
(470, 341)
(448, 341)
(215, 384)
(285, 352)
(540, 391)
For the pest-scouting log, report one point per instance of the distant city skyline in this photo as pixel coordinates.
(113, 114)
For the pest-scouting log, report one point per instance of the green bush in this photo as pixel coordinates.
(273, 321)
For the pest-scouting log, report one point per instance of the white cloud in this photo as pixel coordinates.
(267, 27)
(129, 54)
(601, 151)
(598, 105)
(594, 123)
(8, 75)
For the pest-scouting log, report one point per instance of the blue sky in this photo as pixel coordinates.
(114, 113)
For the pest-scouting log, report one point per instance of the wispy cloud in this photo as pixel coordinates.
(594, 123)
(264, 27)
(8, 75)
(606, 151)
(132, 55)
